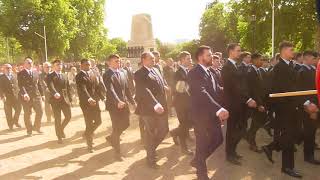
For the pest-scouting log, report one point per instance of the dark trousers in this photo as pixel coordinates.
(57, 108)
(142, 129)
(208, 138)
(35, 104)
(286, 136)
(236, 128)
(47, 108)
(258, 121)
(309, 133)
(185, 123)
(120, 122)
(156, 130)
(8, 107)
(92, 118)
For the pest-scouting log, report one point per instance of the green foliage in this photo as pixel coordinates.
(120, 45)
(249, 22)
(74, 28)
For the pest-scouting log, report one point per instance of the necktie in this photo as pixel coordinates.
(291, 65)
(117, 74)
(212, 80)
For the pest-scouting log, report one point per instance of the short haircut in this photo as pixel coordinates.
(144, 55)
(113, 56)
(84, 60)
(244, 54)
(201, 50)
(155, 53)
(183, 54)
(255, 56)
(285, 44)
(28, 57)
(308, 53)
(56, 61)
(215, 57)
(232, 46)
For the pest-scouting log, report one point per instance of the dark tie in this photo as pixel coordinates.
(291, 65)
(117, 74)
(212, 80)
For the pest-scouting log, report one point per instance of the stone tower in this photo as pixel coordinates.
(141, 37)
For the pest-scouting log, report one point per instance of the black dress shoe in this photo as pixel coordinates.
(175, 138)
(234, 160)
(238, 156)
(153, 165)
(202, 177)
(292, 173)
(268, 153)
(312, 161)
(193, 163)
(187, 152)
(254, 148)
(118, 157)
(60, 141)
(29, 134)
(63, 135)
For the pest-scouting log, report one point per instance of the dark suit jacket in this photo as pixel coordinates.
(256, 87)
(181, 99)
(58, 85)
(306, 81)
(30, 84)
(117, 90)
(168, 74)
(203, 97)
(235, 95)
(9, 88)
(217, 76)
(87, 88)
(149, 91)
(130, 76)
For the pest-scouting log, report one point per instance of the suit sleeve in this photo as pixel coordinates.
(143, 92)
(197, 86)
(50, 85)
(110, 89)
(81, 84)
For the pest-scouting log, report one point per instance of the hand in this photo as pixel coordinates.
(121, 105)
(167, 88)
(92, 102)
(314, 116)
(57, 96)
(252, 104)
(261, 109)
(159, 109)
(26, 97)
(223, 115)
(311, 108)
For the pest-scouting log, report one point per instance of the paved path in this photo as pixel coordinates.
(40, 157)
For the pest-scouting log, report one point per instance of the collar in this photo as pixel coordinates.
(286, 61)
(184, 68)
(114, 70)
(232, 61)
(149, 69)
(254, 67)
(204, 68)
(307, 66)
(313, 67)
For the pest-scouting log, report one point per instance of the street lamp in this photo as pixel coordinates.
(44, 36)
(272, 6)
(253, 20)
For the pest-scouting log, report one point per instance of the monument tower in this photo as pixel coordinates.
(142, 39)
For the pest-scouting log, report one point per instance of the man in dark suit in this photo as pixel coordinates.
(284, 79)
(215, 69)
(31, 94)
(119, 97)
(89, 96)
(157, 63)
(46, 68)
(168, 74)
(181, 102)
(151, 105)
(258, 93)
(9, 93)
(306, 81)
(237, 101)
(206, 112)
(60, 98)
(130, 75)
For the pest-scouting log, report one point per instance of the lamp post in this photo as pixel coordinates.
(44, 37)
(253, 20)
(272, 6)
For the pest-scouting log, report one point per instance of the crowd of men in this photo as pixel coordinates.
(203, 94)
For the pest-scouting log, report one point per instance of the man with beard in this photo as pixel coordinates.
(206, 112)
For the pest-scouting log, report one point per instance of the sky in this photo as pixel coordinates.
(172, 19)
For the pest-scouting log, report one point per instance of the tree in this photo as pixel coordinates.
(120, 45)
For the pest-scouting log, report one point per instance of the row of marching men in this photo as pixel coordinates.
(204, 95)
